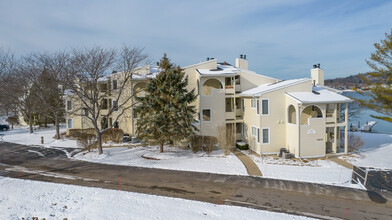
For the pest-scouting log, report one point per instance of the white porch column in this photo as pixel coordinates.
(335, 140)
(345, 129)
(335, 129)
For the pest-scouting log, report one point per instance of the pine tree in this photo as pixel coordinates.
(381, 91)
(165, 113)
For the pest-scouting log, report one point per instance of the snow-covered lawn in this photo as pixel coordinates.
(376, 152)
(27, 199)
(21, 135)
(173, 158)
(315, 171)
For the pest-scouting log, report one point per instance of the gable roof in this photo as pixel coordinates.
(270, 87)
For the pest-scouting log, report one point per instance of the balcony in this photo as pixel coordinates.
(230, 116)
(239, 114)
(229, 89)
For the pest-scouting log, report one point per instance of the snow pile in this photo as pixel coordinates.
(21, 135)
(27, 199)
(314, 171)
(173, 158)
(376, 152)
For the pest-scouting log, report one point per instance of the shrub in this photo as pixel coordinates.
(209, 143)
(113, 134)
(76, 132)
(205, 143)
(86, 140)
(354, 142)
(226, 138)
(196, 143)
(242, 146)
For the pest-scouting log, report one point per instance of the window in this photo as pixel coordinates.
(115, 106)
(85, 111)
(104, 104)
(110, 122)
(257, 107)
(265, 107)
(70, 123)
(266, 135)
(254, 131)
(243, 105)
(206, 115)
(69, 105)
(103, 87)
(258, 135)
(114, 84)
(253, 103)
(116, 124)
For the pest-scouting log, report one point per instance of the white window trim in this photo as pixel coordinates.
(202, 119)
(269, 107)
(68, 123)
(251, 101)
(269, 136)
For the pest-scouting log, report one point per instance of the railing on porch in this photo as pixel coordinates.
(360, 175)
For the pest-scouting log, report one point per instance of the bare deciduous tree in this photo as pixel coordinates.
(89, 84)
(45, 74)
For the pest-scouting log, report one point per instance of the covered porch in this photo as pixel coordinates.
(321, 120)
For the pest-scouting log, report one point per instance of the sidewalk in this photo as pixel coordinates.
(341, 162)
(251, 167)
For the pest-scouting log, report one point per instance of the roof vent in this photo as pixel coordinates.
(244, 56)
(314, 66)
(316, 93)
(241, 56)
(208, 58)
(318, 65)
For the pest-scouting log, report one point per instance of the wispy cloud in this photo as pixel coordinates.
(282, 38)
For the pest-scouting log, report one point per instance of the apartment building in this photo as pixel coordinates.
(300, 115)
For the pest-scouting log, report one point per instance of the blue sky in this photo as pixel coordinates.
(281, 38)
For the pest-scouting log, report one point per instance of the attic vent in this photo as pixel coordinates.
(217, 69)
(316, 93)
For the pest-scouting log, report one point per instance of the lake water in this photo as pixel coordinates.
(362, 114)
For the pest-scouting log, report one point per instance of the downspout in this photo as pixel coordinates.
(299, 131)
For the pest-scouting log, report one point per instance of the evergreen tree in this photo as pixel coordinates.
(381, 91)
(165, 114)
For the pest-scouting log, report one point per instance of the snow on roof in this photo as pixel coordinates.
(272, 87)
(220, 70)
(318, 95)
(253, 72)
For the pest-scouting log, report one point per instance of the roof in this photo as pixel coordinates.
(257, 91)
(220, 70)
(318, 95)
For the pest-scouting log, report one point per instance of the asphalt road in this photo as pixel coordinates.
(314, 200)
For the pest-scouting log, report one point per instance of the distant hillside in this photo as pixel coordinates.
(348, 82)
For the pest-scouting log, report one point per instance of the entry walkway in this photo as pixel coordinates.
(251, 167)
(341, 162)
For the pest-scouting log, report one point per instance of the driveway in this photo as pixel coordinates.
(314, 200)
